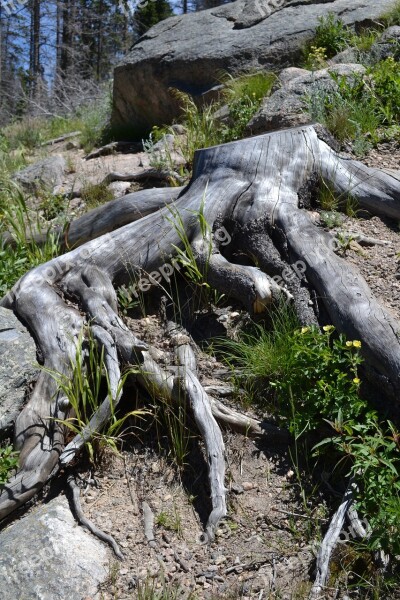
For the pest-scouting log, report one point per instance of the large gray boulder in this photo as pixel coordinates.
(47, 556)
(17, 367)
(287, 106)
(189, 52)
(45, 174)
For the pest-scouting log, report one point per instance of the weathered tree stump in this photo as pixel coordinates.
(253, 189)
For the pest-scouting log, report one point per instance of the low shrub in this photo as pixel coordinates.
(332, 35)
(361, 108)
(310, 379)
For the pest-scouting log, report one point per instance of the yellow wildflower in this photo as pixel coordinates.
(349, 344)
(328, 327)
(304, 329)
(356, 343)
(356, 380)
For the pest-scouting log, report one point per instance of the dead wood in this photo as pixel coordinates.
(115, 147)
(61, 138)
(251, 188)
(328, 545)
(85, 522)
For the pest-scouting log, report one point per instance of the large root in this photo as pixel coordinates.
(240, 185)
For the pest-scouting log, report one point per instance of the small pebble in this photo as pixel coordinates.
(247, 486)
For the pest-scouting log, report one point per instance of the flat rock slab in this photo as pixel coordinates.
(189, 52)
(48, 556)
(17, 366)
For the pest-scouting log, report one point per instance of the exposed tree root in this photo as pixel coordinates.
(148, 175)
(328, 545)
(105, 219)
(251, 188)
(61, 138)
(76, 502)
(148, 519)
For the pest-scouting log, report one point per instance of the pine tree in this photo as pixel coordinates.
(150, 13)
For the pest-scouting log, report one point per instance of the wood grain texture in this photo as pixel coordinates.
(243, 183)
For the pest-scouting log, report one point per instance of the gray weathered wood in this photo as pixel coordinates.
(328, 545)
(239, 184)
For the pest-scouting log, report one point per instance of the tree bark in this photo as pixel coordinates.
(253, 188)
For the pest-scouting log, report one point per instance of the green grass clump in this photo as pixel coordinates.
(29, 133)
(392, 16)
(85, 388)
(22, 223)
(251, 85)
(11, 160)
(151, 589)
(201, 127)
(15, 262)
(244, 95)
(261, 355)
(96, 194)
(364, 40)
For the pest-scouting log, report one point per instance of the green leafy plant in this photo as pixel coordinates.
(158, 159)
(331, 218)
(373, 450)
(323, 377)
(343, 242)
(243, 95)
(385, 89)
(52, 206)
(361, 107)
(126, 301)
(310, 378)
(331, 34)
(8, 462)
